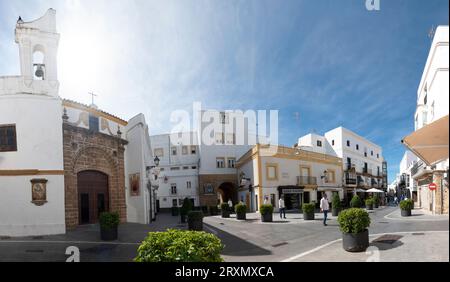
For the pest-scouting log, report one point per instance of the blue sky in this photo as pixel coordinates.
(333, 62)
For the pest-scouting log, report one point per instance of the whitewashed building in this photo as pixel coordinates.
(31, 147)
(223, 138)
(141, 197)
(362, 160)
(431, 126)
(179, 161)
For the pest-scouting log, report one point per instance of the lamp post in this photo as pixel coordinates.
(152, 186)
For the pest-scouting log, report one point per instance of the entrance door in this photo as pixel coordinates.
(93, 195)
(84, 208)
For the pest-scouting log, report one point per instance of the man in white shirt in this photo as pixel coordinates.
(324, 207)
(282, 207)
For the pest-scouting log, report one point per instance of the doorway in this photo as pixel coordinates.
(93, 197)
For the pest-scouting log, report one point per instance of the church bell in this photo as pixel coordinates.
(39, 70)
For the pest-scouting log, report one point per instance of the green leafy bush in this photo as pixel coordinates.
(109, 220)
(336, 202)
(376, 199)
(240, 208)
(213, 210)
(186, 207)
(369, 202)
(309, 208)
(407, 204)
(224, 206)
(180, 246)
(195, 215)
(355, 202)
(353, 220)
(266, 209)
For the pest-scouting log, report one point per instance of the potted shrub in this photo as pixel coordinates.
(266, 211)
(369, 204)
(241, 211)
(225, 210)
(185, 208)
(109, 222)
(405, 207)
(308, 211)
(335, 205)
(195, 220)
(376, 200)
(355, 202)
(353, 224)
(180, 246)
(213, 210)
(175, 211)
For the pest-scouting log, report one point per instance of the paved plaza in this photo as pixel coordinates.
(421, 237)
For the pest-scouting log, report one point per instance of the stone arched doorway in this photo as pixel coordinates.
(227, 191)
(93, 195)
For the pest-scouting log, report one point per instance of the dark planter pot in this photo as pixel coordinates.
(183, 218)
(369, 207)
(308, 216)
(195, 224)
(225, 213)
(355, 242)
(406, 212)
(175, 212)
(335, 211)
(376, 205)
(108, 234)
(241, 216)
(268, 217)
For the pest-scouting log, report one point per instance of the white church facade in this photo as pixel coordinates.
(62, 163)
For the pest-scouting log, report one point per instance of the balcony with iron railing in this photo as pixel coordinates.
(419, 169)
(306, 180)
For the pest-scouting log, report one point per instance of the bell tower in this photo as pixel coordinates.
(38, 45)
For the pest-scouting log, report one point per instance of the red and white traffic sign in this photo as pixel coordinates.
(432, 186)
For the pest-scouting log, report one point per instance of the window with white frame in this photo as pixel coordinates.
(219, 137)
(184, 150)
(230, 139)
(319, 143)
(174, 151)
(220, 162)
(173, 189)
(231, 162)
(193, 150)
(188, 185)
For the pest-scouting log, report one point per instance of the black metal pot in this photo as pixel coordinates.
(308, 216)
(183, 218)
(406, 212)
(369, 207)
(241, 216)
(376, 205)
(195, 224)
(108, 234)
(335, 211)
(267, 217)
(225, 213)
(175, 211)
(355, 242)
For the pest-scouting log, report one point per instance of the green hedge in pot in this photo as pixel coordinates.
(180, 246)
(356, 202)
(353, 220)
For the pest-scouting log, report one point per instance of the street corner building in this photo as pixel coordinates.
(62, 163)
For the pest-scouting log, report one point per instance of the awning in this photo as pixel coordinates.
(361, 191)
(430, 143)
(335, 189)
(374, 190)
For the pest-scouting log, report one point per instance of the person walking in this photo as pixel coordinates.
(230, 205)
(282, 207)
(324, 207)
